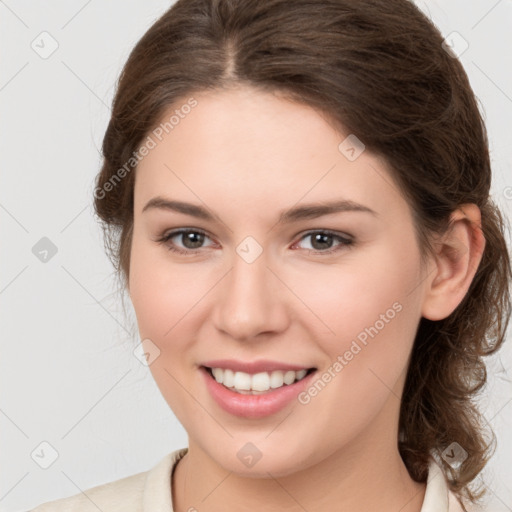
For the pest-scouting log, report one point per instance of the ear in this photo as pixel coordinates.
(458, 254)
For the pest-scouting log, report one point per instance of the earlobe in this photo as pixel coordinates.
(458, 255)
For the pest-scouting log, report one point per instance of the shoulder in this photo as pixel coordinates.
(129, 494)
(122, 494)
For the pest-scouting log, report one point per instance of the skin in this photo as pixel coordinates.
(247, 155)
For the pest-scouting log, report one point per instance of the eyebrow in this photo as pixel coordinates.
(307, 211)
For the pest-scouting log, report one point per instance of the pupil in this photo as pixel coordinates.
(320, 237)
(189, 237)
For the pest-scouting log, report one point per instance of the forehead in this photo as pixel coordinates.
(245, 147)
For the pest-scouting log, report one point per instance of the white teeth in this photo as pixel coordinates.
(289, 377)
(276, 379)
(218, 374)
(301, 374)
(228, 377)
(258, 382)
(242, 381)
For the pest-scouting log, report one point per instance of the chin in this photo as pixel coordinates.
(249, 461)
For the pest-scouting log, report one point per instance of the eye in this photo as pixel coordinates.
(321, 241)
(191, 238)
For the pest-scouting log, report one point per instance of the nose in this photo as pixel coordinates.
(251, 300)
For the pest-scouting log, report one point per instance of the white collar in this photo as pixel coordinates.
(436, 493)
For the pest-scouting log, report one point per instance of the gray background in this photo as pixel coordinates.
(68, 373)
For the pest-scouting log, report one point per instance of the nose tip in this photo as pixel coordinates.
(249, 302)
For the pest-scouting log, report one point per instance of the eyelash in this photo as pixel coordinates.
(346, 242)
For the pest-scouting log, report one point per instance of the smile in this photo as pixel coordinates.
(255, 395)
(246, 383)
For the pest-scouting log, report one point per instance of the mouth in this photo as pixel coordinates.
(256, 383)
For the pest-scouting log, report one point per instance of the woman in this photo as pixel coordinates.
(296, 196)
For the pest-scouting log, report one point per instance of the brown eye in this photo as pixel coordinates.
(322, 241)
(190, 239)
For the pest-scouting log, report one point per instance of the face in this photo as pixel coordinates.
(336, 291)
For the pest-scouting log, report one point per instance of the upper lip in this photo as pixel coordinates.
(262, 365)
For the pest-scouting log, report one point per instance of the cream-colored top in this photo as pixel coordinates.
(150, 491)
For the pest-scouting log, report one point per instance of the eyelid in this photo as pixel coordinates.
(346, 240)
(167, 235)
(326, 231)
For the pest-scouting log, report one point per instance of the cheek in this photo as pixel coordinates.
(166, 299)
(366, 309)
(170, 302)
(374, 318)
(162, 294)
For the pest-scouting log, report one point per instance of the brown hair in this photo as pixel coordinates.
(377, 68)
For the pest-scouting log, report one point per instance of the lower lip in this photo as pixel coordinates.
(254, 406)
